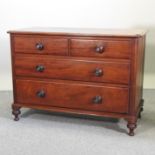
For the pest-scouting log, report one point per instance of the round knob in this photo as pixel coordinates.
(39, 46)
(99, 49)
(40, 68)
(97, 100)
(98, 72)
(41, 94)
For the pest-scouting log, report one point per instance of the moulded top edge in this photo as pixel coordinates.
(81, 31)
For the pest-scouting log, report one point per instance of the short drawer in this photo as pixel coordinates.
(86, 96)
(40, 45)
(106, 48)
(73, 69)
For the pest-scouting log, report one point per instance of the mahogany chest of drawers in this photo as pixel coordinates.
(79, 71)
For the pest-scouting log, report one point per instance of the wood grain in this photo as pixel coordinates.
(81, 71)
(73, 95)
(73, 69)
(113, 48)
(27, 44)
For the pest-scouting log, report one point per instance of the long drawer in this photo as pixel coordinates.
(67, 94)
(73, 69)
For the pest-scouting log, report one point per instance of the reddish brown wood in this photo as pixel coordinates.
(132, 124)
(73, 69)
(98, 73)
(28, 44)
(73, 95)
(112, 48)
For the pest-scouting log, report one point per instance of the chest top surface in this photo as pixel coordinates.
(81, 31)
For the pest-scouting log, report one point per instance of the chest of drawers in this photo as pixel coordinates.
(79, 71)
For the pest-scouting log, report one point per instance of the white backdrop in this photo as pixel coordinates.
(76, 13)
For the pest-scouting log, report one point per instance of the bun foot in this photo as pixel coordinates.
(16, 112)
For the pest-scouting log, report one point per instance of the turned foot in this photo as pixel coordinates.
(132, 126)
(16, 112)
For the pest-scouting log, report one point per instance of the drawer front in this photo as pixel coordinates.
(70, 69)
(73, 95)
(40, 45)
(101, 48)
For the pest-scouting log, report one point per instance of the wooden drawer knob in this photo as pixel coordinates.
(98, 72)
(97, 100)
(41, 94)
(99, 49)
(40, 68)
(39, 46)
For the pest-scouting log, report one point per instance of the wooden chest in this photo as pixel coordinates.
(80, 71)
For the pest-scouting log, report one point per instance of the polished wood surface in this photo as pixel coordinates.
(73, 95)
(86, 72)
(111, 48)
(73, 69)
(30, 44)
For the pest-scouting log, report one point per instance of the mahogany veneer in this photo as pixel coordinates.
(82, 71)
